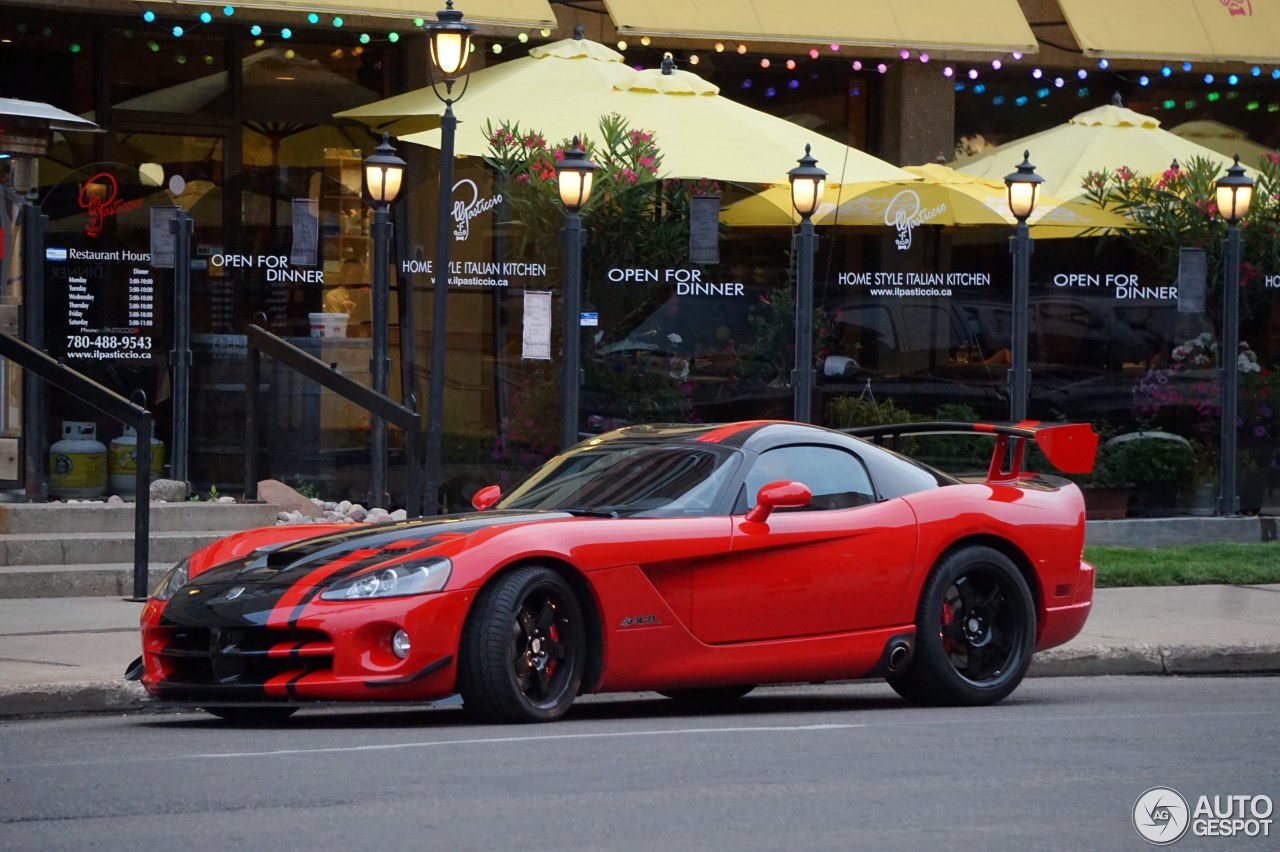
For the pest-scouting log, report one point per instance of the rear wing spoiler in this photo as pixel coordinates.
(1070, 447)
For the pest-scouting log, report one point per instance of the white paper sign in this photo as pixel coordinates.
(537, 326)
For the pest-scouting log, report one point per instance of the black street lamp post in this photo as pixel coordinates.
(450, 49)
(808, 182)
(1234, 194)
(574, 173)
(1024, 189)
(383, 174)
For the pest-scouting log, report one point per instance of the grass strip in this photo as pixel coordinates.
(1196, 564)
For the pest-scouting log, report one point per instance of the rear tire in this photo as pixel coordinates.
(975, 631)
(523, 649)
(251, 716)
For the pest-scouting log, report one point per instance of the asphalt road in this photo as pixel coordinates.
(1058, 766)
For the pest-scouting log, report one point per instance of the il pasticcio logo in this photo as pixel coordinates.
(1239, 7)
(98, 197)
(904, 214)
(465, 211)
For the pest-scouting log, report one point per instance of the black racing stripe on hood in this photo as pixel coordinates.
(209, 606)
(266, 575)
(292, 563)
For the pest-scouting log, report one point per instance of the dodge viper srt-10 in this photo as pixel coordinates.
(695, 561)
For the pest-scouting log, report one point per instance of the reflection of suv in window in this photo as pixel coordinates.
(698, 358)
(1085, 353)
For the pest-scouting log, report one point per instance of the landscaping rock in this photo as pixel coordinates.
(169, 490)
(276, 493)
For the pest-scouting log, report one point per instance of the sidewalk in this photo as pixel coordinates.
(68, 655)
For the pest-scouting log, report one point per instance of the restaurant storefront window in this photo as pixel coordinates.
(281, 236)
(240, 134)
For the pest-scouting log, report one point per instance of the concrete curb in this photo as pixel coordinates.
(120, 696)
(53, 699)
(1140, 659)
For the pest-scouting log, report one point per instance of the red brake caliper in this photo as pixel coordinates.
(947, 618)
(555, 637)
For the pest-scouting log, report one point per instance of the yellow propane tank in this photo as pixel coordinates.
(78, 463)
(122, 461)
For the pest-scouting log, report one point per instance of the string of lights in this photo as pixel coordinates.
(969, 77)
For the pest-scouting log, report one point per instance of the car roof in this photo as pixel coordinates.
(894, 474)
(755, 435)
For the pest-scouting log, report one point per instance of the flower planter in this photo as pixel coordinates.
(1106, 504)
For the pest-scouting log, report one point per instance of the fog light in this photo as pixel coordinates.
(400, 644)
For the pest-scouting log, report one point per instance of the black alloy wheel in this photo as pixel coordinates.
(523, 649)
(975, 631)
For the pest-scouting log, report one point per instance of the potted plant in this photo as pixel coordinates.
(848, 411)
(1107, 489)
(1158, 464)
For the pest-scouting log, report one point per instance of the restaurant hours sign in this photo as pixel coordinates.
(102, 301)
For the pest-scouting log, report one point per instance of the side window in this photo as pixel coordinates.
(836, 478)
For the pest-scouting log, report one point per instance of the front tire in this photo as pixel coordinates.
(975, 631)
(523, 649)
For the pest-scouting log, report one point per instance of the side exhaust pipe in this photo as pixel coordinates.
(899, 655)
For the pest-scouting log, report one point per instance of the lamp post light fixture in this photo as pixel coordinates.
(383, 174)
(808, 182)
(1024, 189)
(1234, 194)
(574, 174)
(450, 48)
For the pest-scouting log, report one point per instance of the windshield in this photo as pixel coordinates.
(646, 480)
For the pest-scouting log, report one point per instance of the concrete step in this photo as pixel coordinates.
(103, 518)
(74, 581)
(1182, 530)
(96, 548)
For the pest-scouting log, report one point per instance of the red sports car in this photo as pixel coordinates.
(696, 561)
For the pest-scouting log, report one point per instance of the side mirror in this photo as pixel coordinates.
(778, 495)
(486, 497)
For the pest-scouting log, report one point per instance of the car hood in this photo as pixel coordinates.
(246, 589)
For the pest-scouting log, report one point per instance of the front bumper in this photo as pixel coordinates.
(330, 651)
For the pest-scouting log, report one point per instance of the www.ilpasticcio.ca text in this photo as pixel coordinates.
(910, 291)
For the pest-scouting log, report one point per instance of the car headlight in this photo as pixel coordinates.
(174, 579)
(411, 578)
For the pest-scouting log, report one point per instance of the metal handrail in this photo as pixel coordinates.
(113, 405)
(260, 341)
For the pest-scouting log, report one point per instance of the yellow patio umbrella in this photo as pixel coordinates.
(1224, 139)
(1101, 139)
(700, 133)
(562, 71)
(940, 196)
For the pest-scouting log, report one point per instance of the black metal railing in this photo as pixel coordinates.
(112, 404)
(262, 342)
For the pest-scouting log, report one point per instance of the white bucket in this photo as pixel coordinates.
(328, 325)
